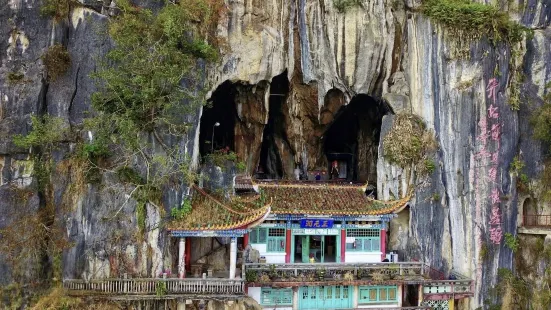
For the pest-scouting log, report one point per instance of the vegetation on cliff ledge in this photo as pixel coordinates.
(152, 82)
(474, 19)
(410, 143)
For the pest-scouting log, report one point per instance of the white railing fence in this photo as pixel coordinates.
(158, 286)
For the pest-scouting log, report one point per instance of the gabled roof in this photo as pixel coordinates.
(211, 213)
(319, 198)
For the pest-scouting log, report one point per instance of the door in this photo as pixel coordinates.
(305, 249)
(325, 297)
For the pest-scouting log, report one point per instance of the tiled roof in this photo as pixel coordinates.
(326, 199)
(211, 213)
(321, 198)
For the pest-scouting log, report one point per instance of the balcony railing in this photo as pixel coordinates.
(157, 286)
(343, 272)
(536, 220)
(448, 289)
(435, 284)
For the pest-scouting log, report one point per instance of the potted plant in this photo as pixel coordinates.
(362, 274)
(251, 275)
(349, 276)
(320, 273)
(272, 272)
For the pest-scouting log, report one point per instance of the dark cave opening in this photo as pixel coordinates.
(271, 166)
(352, 140)
(218, 120)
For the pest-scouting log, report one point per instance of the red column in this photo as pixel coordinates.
(343, 244)
(288, 246)
(187, 258)
(245, 241)
(383, 244)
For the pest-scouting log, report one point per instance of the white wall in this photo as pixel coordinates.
(271, 258)
(362, 257)
(254, 293)
(379, 306)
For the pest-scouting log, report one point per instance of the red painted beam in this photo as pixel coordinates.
(288, 246)
(187, 258)
(245, 241)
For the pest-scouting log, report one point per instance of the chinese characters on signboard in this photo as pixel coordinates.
(316, 223)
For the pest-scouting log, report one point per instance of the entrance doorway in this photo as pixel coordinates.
(325, 297)
(315, 249)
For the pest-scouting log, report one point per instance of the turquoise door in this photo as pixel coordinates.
(324, 297)
(305, 249)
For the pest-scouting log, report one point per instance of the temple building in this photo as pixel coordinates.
(309, 245)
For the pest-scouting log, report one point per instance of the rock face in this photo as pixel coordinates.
(382, 49)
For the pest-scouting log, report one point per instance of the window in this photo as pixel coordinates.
(377, 294)
(364, 240)
(258, 235)
(276, 297)
(274, 238)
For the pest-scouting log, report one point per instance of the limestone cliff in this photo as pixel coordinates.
(323, 59)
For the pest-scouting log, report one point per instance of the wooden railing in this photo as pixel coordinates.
(158, 286)
(536, 220)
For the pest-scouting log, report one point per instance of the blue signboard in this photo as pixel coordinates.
(316, 223)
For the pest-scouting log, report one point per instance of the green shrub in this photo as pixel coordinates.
(58, 9)
(129, 175)
(161, 289)
(240, 166)
(511, 242)
(183, 211)
(221, 157)
(46, 132)
(94, 150)
(57, 61)
(430, 166)
(141, 213)
(474, 19)
(251, 276)
(516, 165)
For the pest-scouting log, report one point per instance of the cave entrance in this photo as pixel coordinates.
(218, 120)
(529, 212)
(271, 165)
(352, 140)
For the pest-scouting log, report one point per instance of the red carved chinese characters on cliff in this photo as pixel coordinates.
(494, 135)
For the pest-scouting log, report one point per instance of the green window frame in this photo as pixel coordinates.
(366, 240)
(377, 294)
(273, 238)
(257, 236)
(276, 297)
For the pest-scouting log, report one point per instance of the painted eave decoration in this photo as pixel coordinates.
(210, 213)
